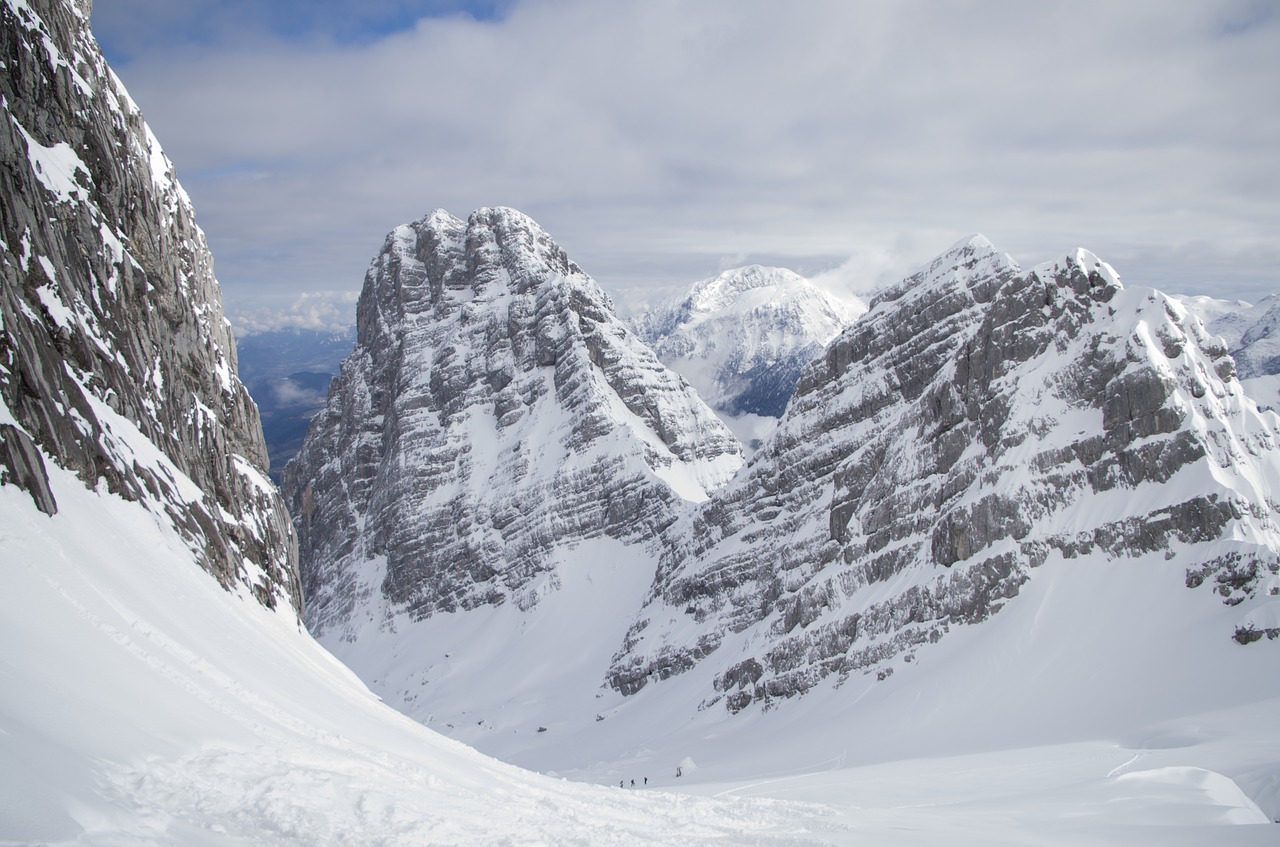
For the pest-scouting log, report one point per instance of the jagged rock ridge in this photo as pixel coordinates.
(743, 337)
(116, 361)
(493, 413)
(976, 423)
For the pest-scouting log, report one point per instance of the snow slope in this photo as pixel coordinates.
(142, 704)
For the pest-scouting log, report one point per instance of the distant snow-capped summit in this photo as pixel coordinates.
(741, 339)
(1252, 333)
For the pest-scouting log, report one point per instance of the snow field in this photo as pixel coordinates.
(144, 705)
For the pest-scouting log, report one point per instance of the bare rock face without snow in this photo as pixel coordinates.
(116, 361)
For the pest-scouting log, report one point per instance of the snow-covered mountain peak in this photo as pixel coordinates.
(508, 253)
(439, 220)
(970, 260)
(741, 338)
(726, 290)
(494, 411)
(1081, 263)
(973, 426)
(973, 243)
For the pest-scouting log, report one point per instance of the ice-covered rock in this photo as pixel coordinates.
(116, 361)
(493, 414)
(976, 422)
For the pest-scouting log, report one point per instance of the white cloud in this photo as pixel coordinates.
(865, 272)
(654, 138)
(286, 392)
(325, 311)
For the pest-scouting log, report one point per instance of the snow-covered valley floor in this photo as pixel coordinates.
(140, 704)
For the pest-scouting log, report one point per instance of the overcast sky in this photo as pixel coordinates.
(660, 141)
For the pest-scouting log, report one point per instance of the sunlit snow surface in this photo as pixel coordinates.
(141, 704)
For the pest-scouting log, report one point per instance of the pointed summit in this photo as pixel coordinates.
(493, 413)
(742, 338)
(971, 260)
(1084, 268)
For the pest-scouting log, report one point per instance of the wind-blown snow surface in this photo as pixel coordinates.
(143, 704)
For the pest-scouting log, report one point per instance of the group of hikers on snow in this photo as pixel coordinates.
(622, 783)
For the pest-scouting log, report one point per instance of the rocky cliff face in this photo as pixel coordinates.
(742, 338)
(496, 428)
(116, 360)
(493, 414)
(978, 422)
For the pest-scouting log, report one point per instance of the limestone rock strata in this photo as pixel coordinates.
(978, 421)
(493, 413)
(115, 359)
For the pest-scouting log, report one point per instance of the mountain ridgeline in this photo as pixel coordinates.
(116, 361)
(494, 413)
(978, 423)
(519, 527)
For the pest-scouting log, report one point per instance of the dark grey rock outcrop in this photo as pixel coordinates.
(116, 360)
